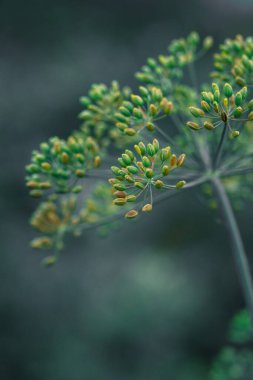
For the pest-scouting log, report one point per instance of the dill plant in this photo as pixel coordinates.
(133, 149)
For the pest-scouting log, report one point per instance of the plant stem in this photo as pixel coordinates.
(220, 147)
(240, 257)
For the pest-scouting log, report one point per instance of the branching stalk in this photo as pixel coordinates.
(220, 147)
(240, 257)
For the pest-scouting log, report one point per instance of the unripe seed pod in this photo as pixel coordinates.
(129, 179)
(215, 87)
(36, 193)
(130, 131)
(119, 201)
(137, 100)
(150, 150)
(33, 185)
(137, 113)
(156, 94)
(142, 147)
(128, 105)
(238, 99)
(120, 194)
(97, 161)
(209, 126)
(121, 126)
(150, 126)
(238, 112)
(146, 161)
(45, 185)
(205, 106)
(173, 160)
(235, 134)
(216, 96)
(216, 107)
(207, 96)
(125, 111)
(139, 185)
(197, 112)
(132, 169)
(159, 184)
(144, 91)
(244, 92)
(130, 154)
(131, 214)
(80, 173)
(228, 90)
(149, 173)
(180, 184)
(131, 198)
(250, 116)
(156, 145)
(207, 43)
(181, 160)
(121, 118)
(250, 104)
(137, 149)
(119, 186)
(147, 207)
(126, 159)
(77, 189)
(46, 166)
(192, 125)
(165, 170)
(121, 162)
(153, 110)
(240, 81)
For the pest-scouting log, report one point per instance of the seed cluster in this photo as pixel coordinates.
(142, 111)
(234, 62)
(59, 164)
(99, 111)
(219, 108)
(136, 176)
(167, 69)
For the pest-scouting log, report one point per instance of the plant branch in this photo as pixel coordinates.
(220, 146)
(240, 257)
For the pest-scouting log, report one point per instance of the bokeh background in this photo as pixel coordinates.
(151, 301)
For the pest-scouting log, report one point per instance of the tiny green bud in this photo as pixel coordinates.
(137, 100)
(147, 207)
(132, 169)
(238, 112)
(235, 133)
(165, 170)
(227, 90)
(180, 184)
(209, 126)
(131, 198)
(119, 201)
(149, 173)
(197, 112)
(192, 125)
(205, 106)
(207, 43)
(159, 184)
(130, 131)
(131, 214)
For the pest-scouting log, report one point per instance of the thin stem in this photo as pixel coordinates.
(240, 257)
(220, 147)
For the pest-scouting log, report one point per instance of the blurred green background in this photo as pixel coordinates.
(151, 301)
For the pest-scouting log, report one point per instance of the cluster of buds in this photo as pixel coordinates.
(166, 69)
(224, 107)
(186, 50)
(142, 111)
(59, 164)
(137, 176)
(99, 111)
(235, 61)
(55, 218)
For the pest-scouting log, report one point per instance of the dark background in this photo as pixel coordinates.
(153, 300)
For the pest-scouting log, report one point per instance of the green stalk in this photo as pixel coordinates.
(220, 147)
(240, 257)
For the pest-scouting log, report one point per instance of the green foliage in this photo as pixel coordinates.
(236, 362)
